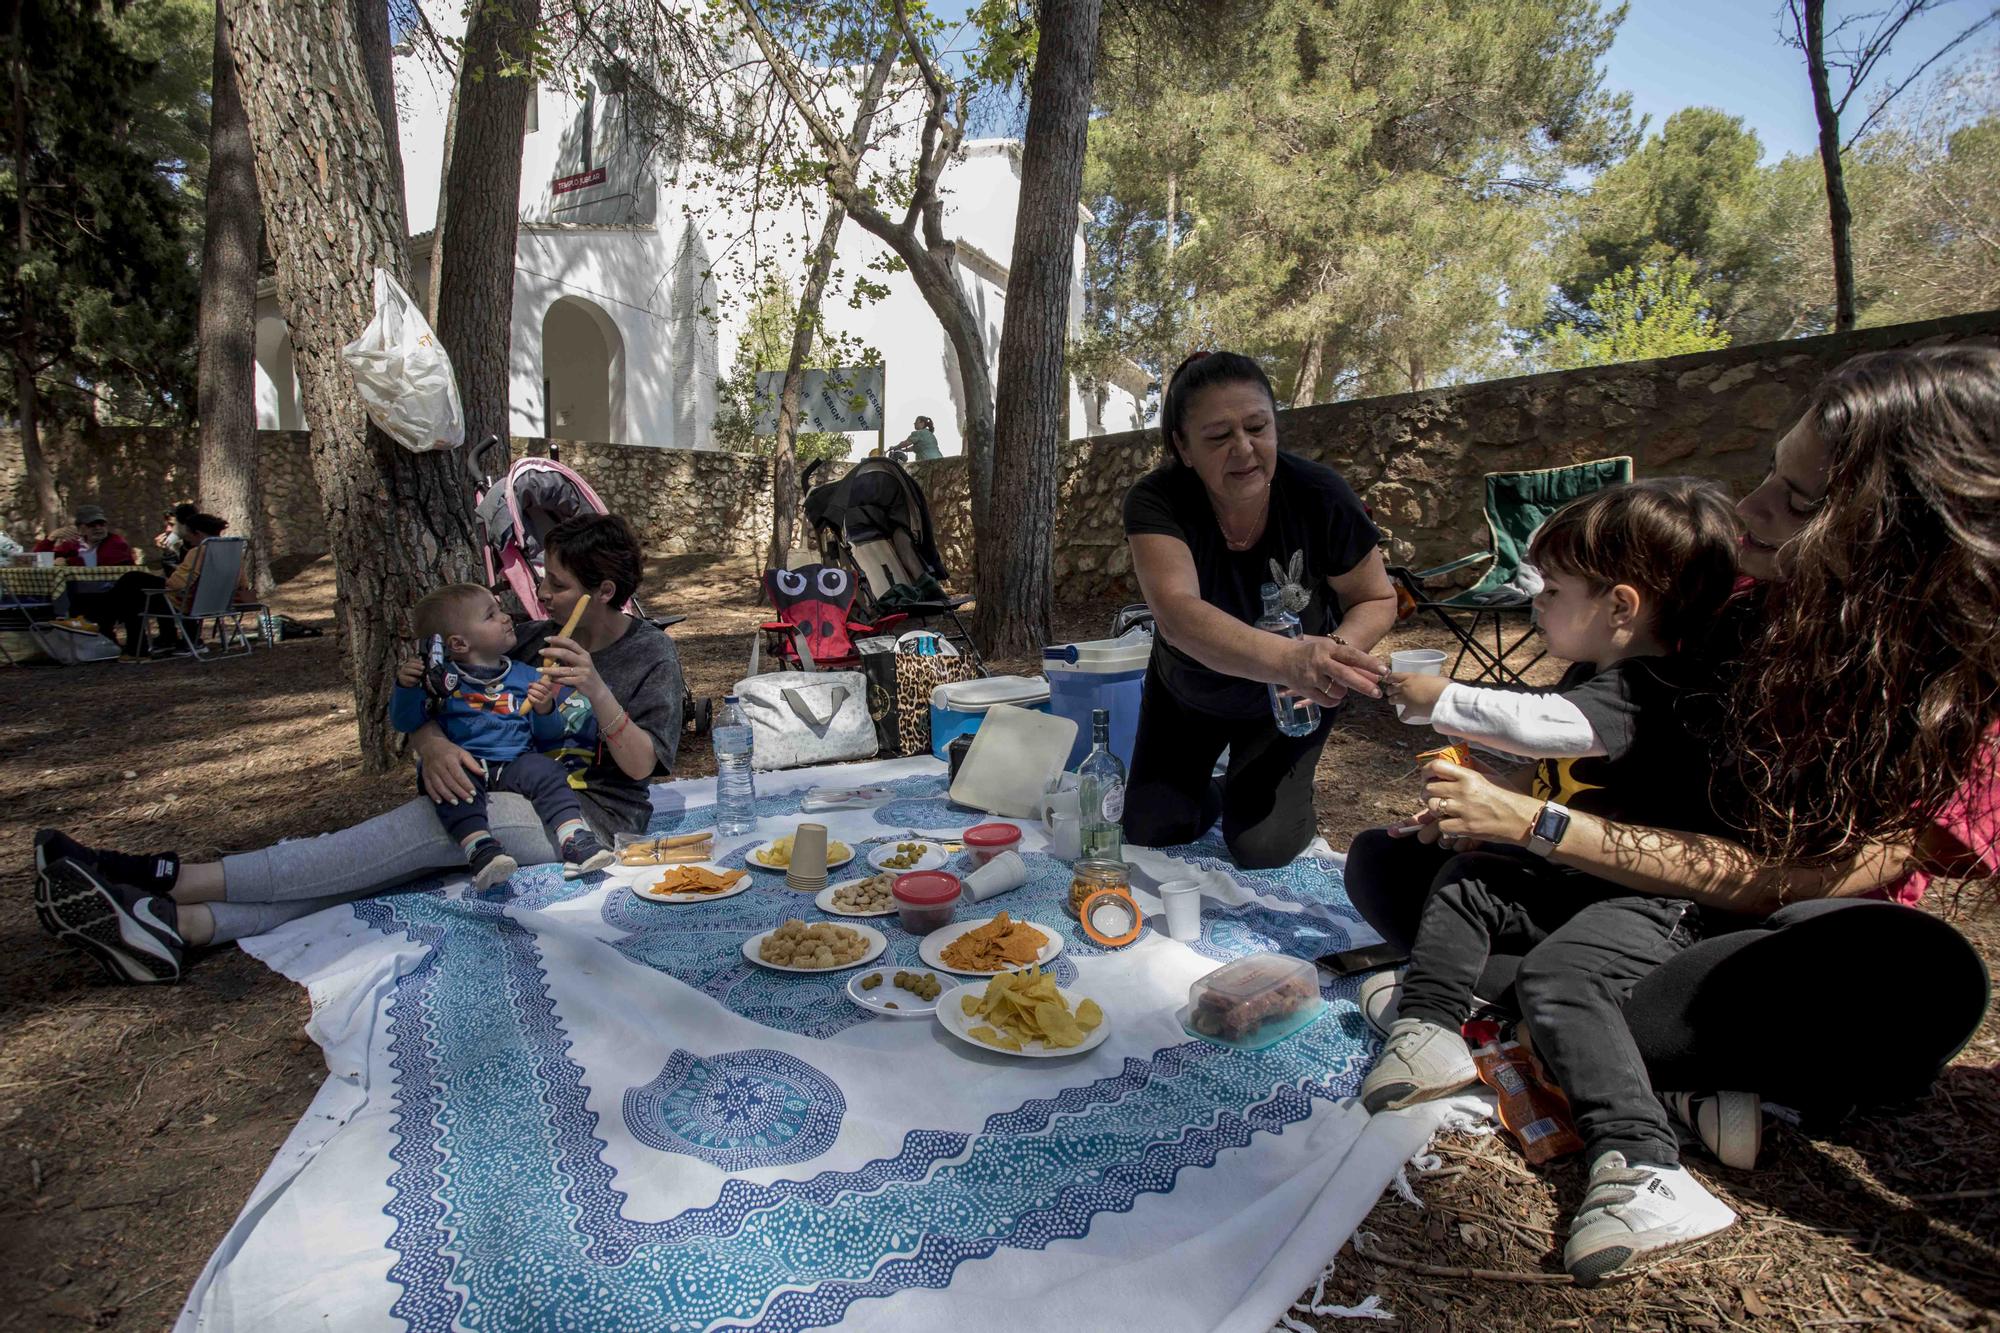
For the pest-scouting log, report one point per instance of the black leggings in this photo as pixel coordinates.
(1265, 800)
(1821, 1006)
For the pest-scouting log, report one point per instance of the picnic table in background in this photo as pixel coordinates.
(563, 1104)
(50, 583)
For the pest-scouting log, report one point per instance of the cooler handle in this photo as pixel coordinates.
(1066, 653)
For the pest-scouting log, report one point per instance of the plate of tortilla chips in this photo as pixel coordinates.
(689, 884)
(1024, 1014)
(983, 948)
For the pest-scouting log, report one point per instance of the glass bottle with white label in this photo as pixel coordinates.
(1101, 794)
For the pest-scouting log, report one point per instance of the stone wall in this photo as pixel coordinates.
(1417, 458)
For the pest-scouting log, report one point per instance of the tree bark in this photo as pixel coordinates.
(399, 523)
(1840, 216)
(1306, 391)
(479, 212)
(48, 507)
(226, 388)
(1016, 589)
(805, 327)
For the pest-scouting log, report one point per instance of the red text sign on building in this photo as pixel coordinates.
(583, 180)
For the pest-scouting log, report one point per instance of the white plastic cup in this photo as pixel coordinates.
(1416, 662)
(1062, 818)
(1180, 901)
(1003, 874)
(45, 560)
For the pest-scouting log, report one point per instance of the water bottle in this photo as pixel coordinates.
(1294, 716)
(1101, 794)
(735, 784)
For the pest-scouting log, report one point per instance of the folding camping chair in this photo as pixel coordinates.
(1517, 503)
(28, 616)
(813, 630)
(213, 599)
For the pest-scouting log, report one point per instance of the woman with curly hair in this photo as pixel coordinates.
(1860, 757)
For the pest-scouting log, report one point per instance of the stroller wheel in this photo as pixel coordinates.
(700, 715)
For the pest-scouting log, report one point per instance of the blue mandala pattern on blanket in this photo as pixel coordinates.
(506, 1215)
(737, 1111)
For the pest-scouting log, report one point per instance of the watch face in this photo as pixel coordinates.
(1550, 824)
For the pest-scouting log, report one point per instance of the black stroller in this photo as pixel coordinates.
(876, 523)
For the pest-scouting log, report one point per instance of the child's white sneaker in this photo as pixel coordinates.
(1632, 1214)
(1729, 1124)
(1420, 1062)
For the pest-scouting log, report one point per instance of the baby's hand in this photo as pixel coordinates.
(410, 673)
(1417, 692)
(542, 695)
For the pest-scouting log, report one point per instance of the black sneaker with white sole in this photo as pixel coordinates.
(150, 872)
(134, 936)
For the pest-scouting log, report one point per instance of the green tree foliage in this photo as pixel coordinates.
(1353, 191)
(102, 300)
(766, 345)
(1638, 315)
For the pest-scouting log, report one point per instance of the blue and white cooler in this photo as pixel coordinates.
(958, 709)
(1099, 673)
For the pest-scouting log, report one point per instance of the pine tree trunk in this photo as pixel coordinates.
(48, 508)
(784, 450)
(399, 523)
(226, 389)
(1015, 544)
(1840, 216)
(1306, 391)
(480, 211)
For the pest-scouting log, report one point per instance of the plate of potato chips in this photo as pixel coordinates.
(1024, 1014)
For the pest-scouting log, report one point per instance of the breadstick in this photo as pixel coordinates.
(686, 839)
(569, 627)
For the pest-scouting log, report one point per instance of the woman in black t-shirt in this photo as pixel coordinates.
(1205, 528)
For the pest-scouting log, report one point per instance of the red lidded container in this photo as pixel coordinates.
(925, 899)
(983, 842)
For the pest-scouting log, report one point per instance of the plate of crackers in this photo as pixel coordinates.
(858, 897)
(900, 993)
(1024, 1014)
(821, 946)
(983, 948)
(690, 884)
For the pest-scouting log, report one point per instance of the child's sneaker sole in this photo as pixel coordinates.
(496, 871)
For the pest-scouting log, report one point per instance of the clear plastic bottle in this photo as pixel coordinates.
(1101, 794)
(735, 784)
(1294, 716)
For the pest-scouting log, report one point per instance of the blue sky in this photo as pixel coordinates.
(1727, 53)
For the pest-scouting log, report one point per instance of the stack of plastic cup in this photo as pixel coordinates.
(807, 873)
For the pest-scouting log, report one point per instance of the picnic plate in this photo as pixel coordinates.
(838, 854)
(953, 1018)
(907, 1004)
(642, 887)
(934, 944)
(824, 901)
(934, 857)
(877, 942)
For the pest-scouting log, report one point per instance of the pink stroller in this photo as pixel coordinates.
(516, 512)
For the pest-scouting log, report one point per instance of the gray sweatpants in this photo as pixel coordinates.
(264, 889)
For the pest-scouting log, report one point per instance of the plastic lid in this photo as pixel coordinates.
(992, 835)
(729, 698)
(1258, 975)
(925, 888)
(991, 690)
(1102, 655)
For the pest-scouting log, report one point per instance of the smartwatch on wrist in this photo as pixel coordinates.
(1551, 822)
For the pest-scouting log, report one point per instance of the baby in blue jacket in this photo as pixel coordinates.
(498, 710)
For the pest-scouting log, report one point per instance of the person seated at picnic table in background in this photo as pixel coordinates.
(124, 602)
(169, 542)
(139, 914)
(91, 542)
(1206, 529)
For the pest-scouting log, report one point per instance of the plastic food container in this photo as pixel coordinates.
(983, 842)
(1253, 1002)
(925, 899)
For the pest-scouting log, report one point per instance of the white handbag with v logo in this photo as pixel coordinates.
(807, 717)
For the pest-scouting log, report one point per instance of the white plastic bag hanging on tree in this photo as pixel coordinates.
(403, 375)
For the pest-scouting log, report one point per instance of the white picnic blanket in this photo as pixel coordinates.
(567, 1107)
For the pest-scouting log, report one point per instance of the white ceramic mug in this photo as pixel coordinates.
(1062, 818)
(1416, 662)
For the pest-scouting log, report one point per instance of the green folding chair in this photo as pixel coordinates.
(1517, 503)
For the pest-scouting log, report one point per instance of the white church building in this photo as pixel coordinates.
(618, 335)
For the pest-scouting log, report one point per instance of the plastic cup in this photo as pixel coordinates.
(1003, 874)
(808, 868)
(1416, 662)
(1180, 900)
